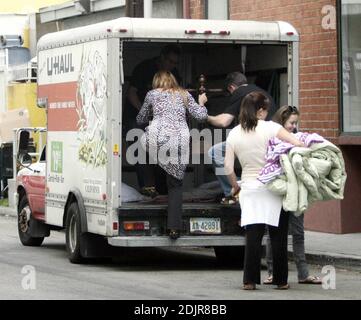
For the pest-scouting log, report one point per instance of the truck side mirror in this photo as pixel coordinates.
(25, 160)
(42, 103)
(24, 142)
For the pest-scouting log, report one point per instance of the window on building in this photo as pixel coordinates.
(351, 64)
(217, 9)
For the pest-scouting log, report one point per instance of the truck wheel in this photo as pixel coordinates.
(230, 256)
(73, 235)
(24, 218)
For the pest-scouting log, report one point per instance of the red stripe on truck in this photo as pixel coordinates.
(62, 105)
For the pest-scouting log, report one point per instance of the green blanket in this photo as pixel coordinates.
(310, 174)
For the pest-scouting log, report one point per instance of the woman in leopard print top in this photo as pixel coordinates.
(167, 136)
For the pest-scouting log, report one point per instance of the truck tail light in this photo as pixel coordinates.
(190, 31)
(115, 225)
(224, 33)
(135, 225)
(290, 33)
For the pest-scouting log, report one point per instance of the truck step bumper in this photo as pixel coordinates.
(183, 241)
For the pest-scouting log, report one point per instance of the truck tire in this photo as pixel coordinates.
(73, 235)
(230, 256)
(24, 218)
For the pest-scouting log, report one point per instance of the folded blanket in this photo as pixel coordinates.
(276, 148)
(307, 175)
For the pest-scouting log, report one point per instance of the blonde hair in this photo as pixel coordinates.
(283, 114)
(166, 81)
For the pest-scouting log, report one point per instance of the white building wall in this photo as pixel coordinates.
(103, 10)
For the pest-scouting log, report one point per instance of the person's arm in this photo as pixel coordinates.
(229, 168)
(222, 120)
(145, 111)
(136, 82)
(284, 135)
(133, 98)
(197, 111)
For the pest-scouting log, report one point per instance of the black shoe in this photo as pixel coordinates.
(229, 200)
(149, 192)
(174, 234)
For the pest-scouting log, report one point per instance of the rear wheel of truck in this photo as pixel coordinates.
(230, 256)
(24, 225)
(73, 234)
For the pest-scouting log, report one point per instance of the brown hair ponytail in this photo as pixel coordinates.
(251, 103)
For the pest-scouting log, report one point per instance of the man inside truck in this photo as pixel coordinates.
(236, 84)
(140, 84)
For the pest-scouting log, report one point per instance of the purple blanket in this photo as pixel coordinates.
(276, 148)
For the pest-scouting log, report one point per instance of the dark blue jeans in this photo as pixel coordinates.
(298, 244)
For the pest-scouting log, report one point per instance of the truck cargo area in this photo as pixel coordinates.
(214, 61)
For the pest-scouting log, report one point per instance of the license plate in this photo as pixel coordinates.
(205, 225)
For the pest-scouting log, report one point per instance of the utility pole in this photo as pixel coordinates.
(148, 8)
(134, 8)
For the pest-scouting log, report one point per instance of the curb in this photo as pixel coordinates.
(341, 261)
(7, 211)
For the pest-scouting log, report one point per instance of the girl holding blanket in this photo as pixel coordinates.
(248, 142)
(287, 116)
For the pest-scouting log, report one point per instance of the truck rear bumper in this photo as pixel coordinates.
(184, 241)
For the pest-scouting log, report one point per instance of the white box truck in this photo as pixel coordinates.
(83, 74)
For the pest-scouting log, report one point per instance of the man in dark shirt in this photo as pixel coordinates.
(236, 84)
(140, 84)
(142, 78)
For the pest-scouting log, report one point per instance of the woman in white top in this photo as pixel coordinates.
(248, 142)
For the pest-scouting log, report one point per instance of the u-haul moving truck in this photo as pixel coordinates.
(82, 79)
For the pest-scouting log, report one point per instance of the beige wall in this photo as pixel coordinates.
(26, 6)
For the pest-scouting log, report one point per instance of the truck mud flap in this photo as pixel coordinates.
(38, 229)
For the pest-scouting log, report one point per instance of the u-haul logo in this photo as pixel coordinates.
(60, 64)
(63, 64)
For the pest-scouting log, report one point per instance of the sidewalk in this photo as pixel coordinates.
(6, 211)
(338, 250)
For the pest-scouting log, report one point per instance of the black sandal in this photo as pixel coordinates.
(249, 286)
(283, 286)
(174, 234)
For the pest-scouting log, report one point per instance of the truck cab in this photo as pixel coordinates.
(29, 168)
